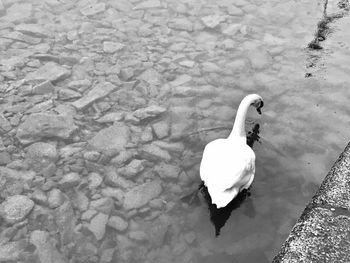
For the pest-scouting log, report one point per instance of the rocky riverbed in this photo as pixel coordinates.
(97, 101)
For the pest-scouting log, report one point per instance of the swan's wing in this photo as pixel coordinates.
(225, 166)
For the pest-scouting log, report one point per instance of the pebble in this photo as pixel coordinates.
(138, 235)
(113, 179)
(103, 205)
(151, 76)
(210, 67)
(80, 85)
(68, 94)
(69, 180)
(148, 4)
(39, 197)
(112, 47)
(122, 5)
(182, 79)
(118, 223)
(50, 71)
(98, 225)
(18, 12)
(55, 198)
(140, 195)
(107, 255)
(153, 152)
(111, 117)
(113, 138)
(259, 58)
(17, 36)
(88, 214)
(100, 91)
(181, 24)
(66, 222)
(161, 129)
(232, 29)
(5, 125)
(16, 208)
(234, 11)
(11, 251)
(43, 88)
(132, 169)
(190, 237)
(95, 180)
(93, 9)
(122, 158)
(33, 30)
(81, 201)
(38, 126)
(115, 193)
(149, 112)
(39, 155)
(46, 248)
(167, 170)
(176, 147)
(187, 63)
(126, 74)
(212, 21)
(5, 158)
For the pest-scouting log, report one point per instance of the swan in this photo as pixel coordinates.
(228, 165)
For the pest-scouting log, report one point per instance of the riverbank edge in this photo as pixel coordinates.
(322, 233)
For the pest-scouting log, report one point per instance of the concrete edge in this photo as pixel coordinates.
(322, 233)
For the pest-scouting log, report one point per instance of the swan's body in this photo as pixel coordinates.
(228, 165)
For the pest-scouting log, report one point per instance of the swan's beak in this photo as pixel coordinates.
(258, 109)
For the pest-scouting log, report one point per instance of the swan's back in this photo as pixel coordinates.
(227, 166)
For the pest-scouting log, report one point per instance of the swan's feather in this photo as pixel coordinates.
(227, 167)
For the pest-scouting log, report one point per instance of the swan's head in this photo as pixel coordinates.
(256, 101)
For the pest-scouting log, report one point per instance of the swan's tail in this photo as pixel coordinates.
(222, 198)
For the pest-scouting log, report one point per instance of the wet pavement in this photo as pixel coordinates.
(106, 106)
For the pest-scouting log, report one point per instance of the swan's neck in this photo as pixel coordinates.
(238, 130)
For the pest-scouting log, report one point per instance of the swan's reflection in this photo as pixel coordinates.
(219, 216)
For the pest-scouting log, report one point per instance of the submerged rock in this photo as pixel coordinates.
(98, 225)
(40, 155)
(19, 12)
(13, 182)
(212, 21)
(132, 169)
(148, 112)
(69, 180)
(93, 9)
(118, 223)
(113, 138)
(66, 222)
(148, 4)
(43, 125)
(11, 251)
(34, 30)
(100, 91)
(112, 47)
(46, 249)
(111, 117)
(142, 194)
(50, 71)
(167, 170)
(15, 208)
(153, 152)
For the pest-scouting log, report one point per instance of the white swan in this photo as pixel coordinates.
(228, 165)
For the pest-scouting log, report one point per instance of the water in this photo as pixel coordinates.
(197, 67)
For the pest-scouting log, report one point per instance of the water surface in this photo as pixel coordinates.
(196, 60)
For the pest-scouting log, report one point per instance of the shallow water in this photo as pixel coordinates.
(195, 59)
